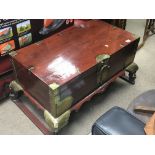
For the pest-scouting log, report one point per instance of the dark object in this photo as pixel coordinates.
(131, 71)
(146, 99)
(117, 121)
(65, 68)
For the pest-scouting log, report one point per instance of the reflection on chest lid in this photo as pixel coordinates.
(61, 67)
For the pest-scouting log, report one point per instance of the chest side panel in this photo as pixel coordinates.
(32, 84)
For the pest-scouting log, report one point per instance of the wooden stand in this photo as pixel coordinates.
(27, 104)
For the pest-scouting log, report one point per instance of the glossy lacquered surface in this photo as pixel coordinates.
(73, 51)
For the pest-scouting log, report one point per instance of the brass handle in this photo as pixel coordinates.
(102, 74)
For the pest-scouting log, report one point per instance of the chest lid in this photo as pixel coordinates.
(69, 53)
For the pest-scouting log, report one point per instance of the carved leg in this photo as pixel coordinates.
(131, 73)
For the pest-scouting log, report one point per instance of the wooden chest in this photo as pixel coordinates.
(63, 69)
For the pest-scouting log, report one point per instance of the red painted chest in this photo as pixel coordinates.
(63, 69)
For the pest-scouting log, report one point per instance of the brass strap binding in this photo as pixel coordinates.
(56, 124)
(103, 67)
(58, 105)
